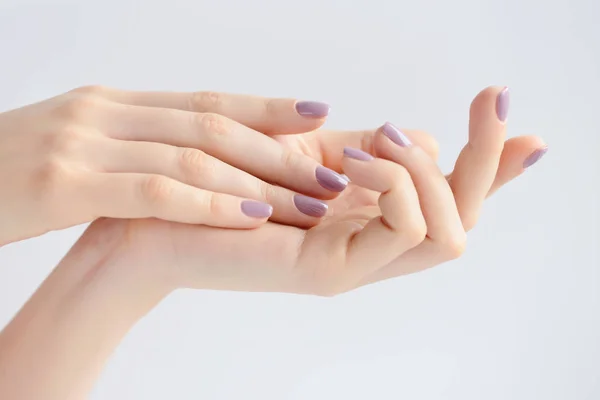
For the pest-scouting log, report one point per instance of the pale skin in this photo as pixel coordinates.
(111, 153)
(399, 215)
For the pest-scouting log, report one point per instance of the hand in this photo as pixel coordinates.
(120, 269)
(400, 215)
(98, 152)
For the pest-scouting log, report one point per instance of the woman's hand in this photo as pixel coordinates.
(400, 214)
(98, 152)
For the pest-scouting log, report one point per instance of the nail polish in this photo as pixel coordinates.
(309, 206)
(312, 109)
(357, 154)
(256, 209)
(395, 135)
(535, 157)
(502, 104)
(330, 179)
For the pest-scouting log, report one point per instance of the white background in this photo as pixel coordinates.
(518, 317)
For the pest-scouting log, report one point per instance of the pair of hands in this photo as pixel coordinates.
(181, 170)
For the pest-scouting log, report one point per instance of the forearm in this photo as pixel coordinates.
(58, 343)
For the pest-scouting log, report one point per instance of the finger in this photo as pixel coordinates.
(437, 201)
(401, 225)
(231, 142)
(196, 168)
(267, 115)
(518, 154)
(144, 196)
(328, 146)
(476, 167)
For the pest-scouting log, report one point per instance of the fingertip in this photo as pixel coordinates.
(535, 156)
(291, 116)
(390, 141)
(308, 116)
(522, 152)
(310, 206)
(355, 163)
(496, 96)
(357, 154)
(489, 93)
(256, 209)
(315, 110)
(330, 180)
(519, 154)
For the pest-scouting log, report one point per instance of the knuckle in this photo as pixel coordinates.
(454, 246)
(367, 141)
(469, 221)
(430, 145)
(269, 107)
(214, 204)
(415, 232)
(63, 142)
(212, 123)
(193, 163)
(267, 191)
(78, 107)
(156, 189)
(205, 102)
(289, 159)
(50, 178)
(91, 90)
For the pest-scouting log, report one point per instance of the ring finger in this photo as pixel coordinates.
(198, 169)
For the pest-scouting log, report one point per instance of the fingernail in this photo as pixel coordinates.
(330, 179)
(502, 103)
(535, 157)
(395, 135)
(309, 206)
(312, 109)
(256, 209)
(357, 154)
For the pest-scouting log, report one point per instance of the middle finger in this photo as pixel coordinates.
(229, 141)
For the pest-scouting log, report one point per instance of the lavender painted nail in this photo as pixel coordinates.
(357, 154)
(395, 135)
(330, 179)
(502, 103)
(256, 209)
(312, 109)
(309, 206)
(534, 157)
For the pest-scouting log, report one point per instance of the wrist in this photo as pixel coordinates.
(66, 331)
(106, 256)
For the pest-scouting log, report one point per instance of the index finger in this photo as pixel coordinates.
(267, 115)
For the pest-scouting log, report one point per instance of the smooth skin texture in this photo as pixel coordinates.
(109, 153)
(399, 215)
(295, 260)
